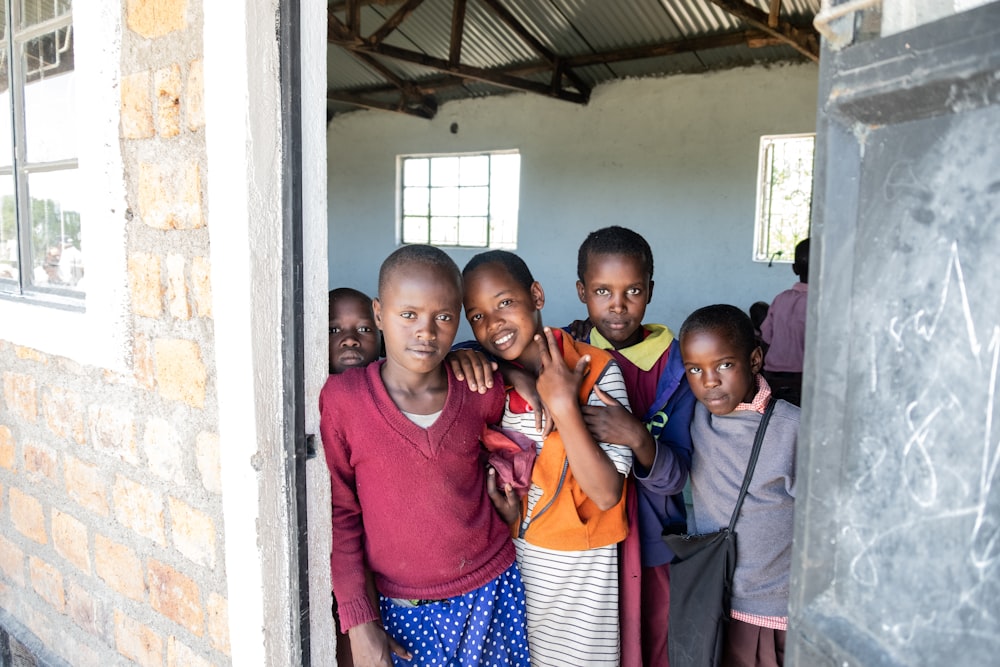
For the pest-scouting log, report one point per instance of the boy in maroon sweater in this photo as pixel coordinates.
(409, 496)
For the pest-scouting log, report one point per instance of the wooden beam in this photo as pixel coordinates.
(341, 5)
(805, 41)
(665, 49)
(457, 29)
(408, 89)
(353, 18)
(468, 72)
(427, 109)
(774, 15)
(504, 15)
(393, 21)
(432, 85)
(337, 32)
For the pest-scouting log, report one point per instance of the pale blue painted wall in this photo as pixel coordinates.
(674, 158)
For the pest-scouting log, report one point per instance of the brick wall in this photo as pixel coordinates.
(111, 542)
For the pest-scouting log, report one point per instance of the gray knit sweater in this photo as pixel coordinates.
(722, 446)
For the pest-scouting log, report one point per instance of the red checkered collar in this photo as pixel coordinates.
(760, 399)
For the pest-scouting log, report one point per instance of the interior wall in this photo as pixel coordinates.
(673, 158)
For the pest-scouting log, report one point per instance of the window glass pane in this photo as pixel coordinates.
(415, 171)
(470, 200)
(475, 170)
(444, 201)
(415, 230)
(34, 12)
(444, 171)
(50, 97)
(8, 233)
(505, 172)
(472, 232)
(416, 201)
(56, 252)
(784, 196)
(503, 233)
(6, 146)
(444, 231)
(474, 201)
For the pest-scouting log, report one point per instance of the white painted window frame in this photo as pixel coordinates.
(401, 218)
(99, 335)
(765, 249)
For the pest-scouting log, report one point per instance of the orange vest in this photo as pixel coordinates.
(565, 519)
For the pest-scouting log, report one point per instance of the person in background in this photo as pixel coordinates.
(70, 263)
(615, 282)
(569, 524)
(758, 311)
(784, 332)
(723, 364)
(409, 494)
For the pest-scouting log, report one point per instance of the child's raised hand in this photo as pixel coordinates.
(557, 384)
(613, 422)
(506, 502)
(474, 367)
(371, 646)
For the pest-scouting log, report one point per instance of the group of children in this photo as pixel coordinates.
(439, 560)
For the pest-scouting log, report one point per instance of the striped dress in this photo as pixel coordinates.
(572, 596)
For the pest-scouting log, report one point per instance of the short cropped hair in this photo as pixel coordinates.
(802, 252)
(427, 255)
(349, 293)
(728, 321)
(514, 265)
(614, 240)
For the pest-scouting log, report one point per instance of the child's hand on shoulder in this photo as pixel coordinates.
(580, 329)
(474, 367)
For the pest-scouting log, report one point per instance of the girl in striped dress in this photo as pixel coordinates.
(568, 526)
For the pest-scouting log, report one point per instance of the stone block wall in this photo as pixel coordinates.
(111, 535)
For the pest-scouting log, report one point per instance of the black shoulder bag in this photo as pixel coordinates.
(701, 582)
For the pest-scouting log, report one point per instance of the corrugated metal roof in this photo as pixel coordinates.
(567, 29)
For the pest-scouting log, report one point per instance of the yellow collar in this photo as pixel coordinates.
(643, 354)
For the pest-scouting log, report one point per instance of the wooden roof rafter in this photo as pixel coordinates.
(805, 41)
(766, 28)
(341, 34)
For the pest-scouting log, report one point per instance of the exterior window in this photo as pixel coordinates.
(40, 224)
(784, 195)
(460, 200)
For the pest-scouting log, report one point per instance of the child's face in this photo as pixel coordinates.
(616, 290)
(504, 316)
(354, 338)
(720, 374)
(418, 312)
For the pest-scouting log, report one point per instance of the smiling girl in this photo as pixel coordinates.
(568, 526)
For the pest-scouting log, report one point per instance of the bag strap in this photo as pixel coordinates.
(758, 439)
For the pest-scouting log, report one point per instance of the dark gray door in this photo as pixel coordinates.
(897, 537)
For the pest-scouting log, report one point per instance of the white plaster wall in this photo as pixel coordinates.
(243, 140)
(322, 633)
(674, 158)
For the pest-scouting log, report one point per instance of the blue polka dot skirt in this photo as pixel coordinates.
(483, 627)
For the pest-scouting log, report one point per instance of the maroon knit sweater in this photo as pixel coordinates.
(410, 502)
